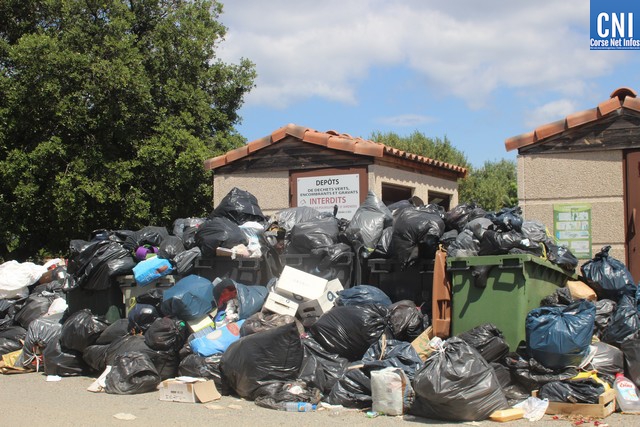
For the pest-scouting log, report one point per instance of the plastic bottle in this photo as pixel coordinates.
(299, 407)
(626, 394)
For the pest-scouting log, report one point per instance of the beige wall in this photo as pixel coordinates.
(421, 183)
(586, 177)
(270, 188)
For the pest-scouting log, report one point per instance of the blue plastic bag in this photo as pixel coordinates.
(250, 298)
(217, 341)
(559, 337)
(151, 269)
(362, 294)
(189, 299)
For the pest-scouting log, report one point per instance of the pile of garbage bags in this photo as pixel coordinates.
(221, 330)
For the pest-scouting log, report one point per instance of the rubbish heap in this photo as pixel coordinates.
(308, 308)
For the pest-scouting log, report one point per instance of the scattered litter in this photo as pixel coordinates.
(214, 407)
(53, 378)
(125, 417)
(232, 406)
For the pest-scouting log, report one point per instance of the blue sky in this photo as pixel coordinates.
(477, 72)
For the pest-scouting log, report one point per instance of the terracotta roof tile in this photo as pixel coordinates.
(519, 141)
(331, 139)
(623, 97)
(609, 105)
(215, 162)
(550, 129)
(237, 153)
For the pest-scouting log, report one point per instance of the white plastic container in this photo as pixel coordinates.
(626, 394)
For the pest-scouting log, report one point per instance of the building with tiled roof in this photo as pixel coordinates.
(298, 166)
(586, 164)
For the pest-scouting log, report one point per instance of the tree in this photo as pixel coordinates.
(493, 186)
(107, 111)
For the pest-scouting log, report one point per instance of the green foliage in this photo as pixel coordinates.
(107, 111)
(493, 186)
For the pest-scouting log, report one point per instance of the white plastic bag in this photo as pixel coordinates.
(15, 277)
(391, 391)
(534, 408)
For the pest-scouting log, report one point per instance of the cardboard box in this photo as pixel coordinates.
(188, 390)
(606, 406)
(203, 322)
(319, 306)
(299, 286)
(280, 305)
(421, 343)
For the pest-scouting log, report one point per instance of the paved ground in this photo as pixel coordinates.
(29, 399)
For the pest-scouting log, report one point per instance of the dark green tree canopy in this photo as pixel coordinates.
(493, 186)
(107, 111)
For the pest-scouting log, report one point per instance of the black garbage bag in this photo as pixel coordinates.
(257, 359)
(117, 329)
(362, 295)
(353, 389)
(604, 312)
(189, 235)
(574, 391)
(7, 308)
(287, 218)
(40, 333)
(95, 356)
(507, 219)
(166, 334)
(406, 320)
(190, 298)
(457, 384)
(320, 368)
(149, 235)
(260, 322)
(141, 316)
(392, 353)
(479, 225)
(219, 233)
(631, 350)
(250, 298)
(624, 324)
(240, 206)
(608, 359)
(277, 394)
(608, 276)
(349, 331)
(561, 256)
(312, 234)
(531, 374)
(416, 233)
(120, 266)
(369, 221)
(514, 392)
(89, 263)
(559, 337)
(458, 217)
(152, 297)
(170, 247)
(8, 345)
(488, 340)
(180, 225)
(35, 307)
(63, 362)
(197, 366)
(165, 362)
(132, 373)
(331, 256)
(503, 242)
(185, 261)
(14, 333)
(561, 297)
(448, 237)
(465, 245)
(81, 330)
(382, 248)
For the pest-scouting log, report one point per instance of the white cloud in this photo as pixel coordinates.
(406, 120)
(550, 112)
(306, 48)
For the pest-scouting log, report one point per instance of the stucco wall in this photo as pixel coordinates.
(586, 177)
(422, 183)
(270, 188)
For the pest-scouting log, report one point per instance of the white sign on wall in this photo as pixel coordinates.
(324, 192)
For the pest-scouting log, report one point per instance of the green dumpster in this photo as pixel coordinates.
(500, 289)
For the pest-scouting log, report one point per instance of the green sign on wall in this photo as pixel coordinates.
(572, 227)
